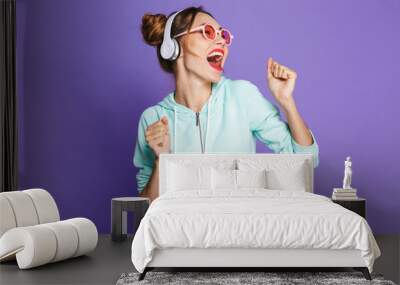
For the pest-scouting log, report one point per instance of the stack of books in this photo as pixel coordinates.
(344, 194)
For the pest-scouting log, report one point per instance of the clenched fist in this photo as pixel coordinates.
(281, 81)
(157, 136)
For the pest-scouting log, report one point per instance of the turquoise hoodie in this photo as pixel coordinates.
(235, 115)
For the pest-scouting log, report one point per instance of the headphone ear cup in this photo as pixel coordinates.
(166, 49)
(177, 50)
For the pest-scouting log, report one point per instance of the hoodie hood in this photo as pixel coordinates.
(169, 101)
(182, 111)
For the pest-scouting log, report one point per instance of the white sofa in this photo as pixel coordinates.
(31, 231)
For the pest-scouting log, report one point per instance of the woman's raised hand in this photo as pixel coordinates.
(281, 81)
(157, 136)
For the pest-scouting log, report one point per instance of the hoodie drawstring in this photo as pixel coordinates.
(198, 124)
(203, 149)
(208, 123)
(175, 119)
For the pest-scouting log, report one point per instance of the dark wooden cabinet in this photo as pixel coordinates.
(357, 206)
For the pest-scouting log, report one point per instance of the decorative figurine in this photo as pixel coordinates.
(347, 173)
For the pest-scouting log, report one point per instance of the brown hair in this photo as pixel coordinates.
(153, 30)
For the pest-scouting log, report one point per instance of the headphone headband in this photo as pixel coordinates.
(168, 26)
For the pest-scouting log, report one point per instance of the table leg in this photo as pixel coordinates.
(124, 223)
(140, 211)
(118, 222)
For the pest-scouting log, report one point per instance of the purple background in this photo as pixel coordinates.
(85, 76)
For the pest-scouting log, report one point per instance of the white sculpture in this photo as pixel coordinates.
(347, 173)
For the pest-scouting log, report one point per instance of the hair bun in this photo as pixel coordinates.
(153, 28)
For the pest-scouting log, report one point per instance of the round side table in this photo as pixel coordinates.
(119, 208)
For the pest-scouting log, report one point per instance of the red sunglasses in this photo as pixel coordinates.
(210, 33)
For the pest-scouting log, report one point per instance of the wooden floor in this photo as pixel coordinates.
(111, 259)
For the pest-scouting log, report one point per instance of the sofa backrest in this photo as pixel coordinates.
(26, 208)
(282, 164)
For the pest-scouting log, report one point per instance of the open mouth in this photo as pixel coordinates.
(215, 57)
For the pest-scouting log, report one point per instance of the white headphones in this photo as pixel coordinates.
(170, 47)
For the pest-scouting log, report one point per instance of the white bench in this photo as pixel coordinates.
(31, 231)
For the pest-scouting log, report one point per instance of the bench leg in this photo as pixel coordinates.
(364, 271)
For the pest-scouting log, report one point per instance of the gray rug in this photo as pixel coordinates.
(225, 278)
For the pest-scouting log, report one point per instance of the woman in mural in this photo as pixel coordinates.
(208, 112)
